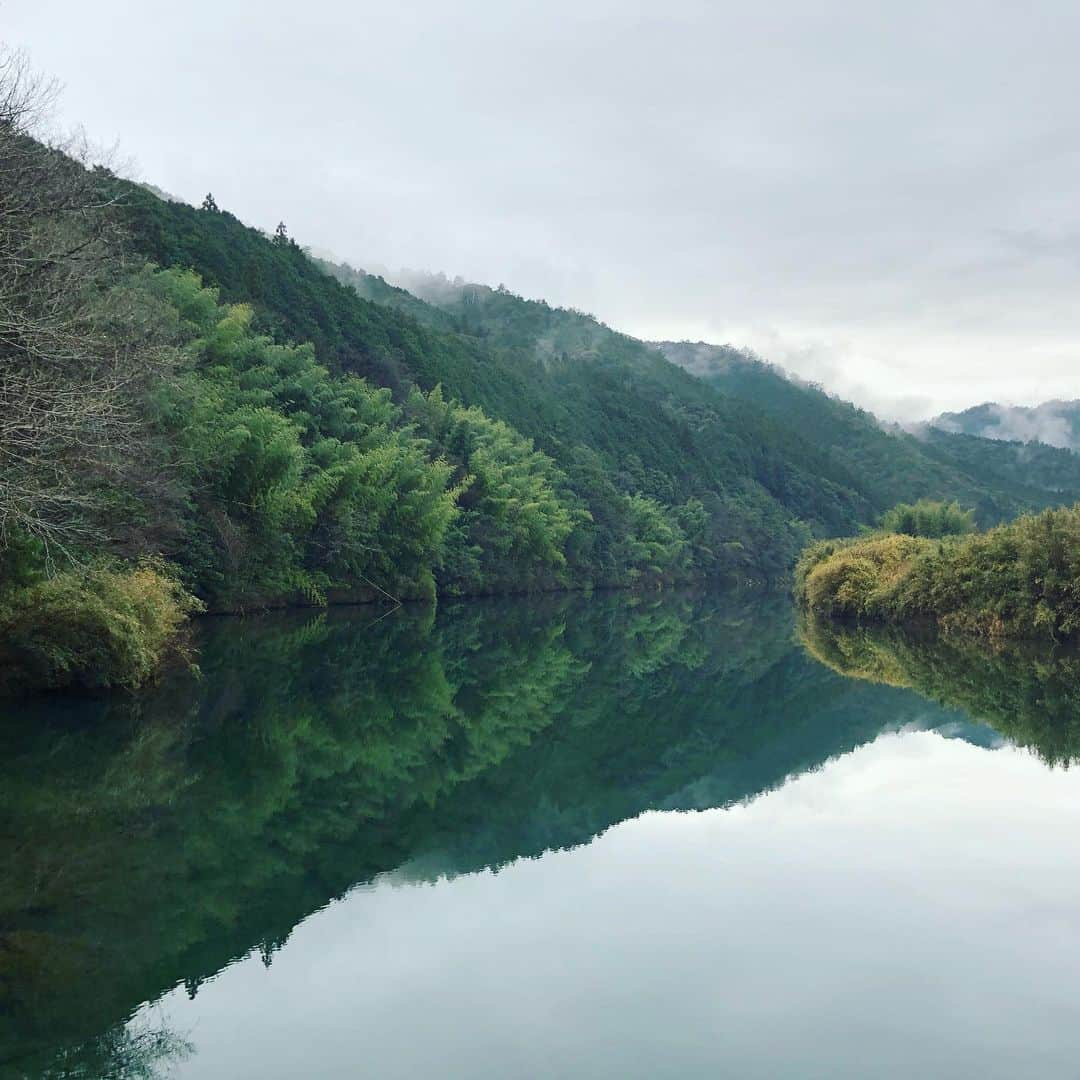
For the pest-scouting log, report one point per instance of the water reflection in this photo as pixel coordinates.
(1029, 693)
(154, 839)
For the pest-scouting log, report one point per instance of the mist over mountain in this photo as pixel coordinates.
(1055, 423)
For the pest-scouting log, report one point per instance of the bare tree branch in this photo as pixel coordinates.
(75, 364)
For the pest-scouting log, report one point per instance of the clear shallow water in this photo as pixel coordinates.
(595, 837)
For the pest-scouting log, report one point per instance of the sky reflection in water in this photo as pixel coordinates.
(617, 836)
(913, 908)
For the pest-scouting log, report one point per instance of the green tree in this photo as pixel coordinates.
(515, 515)
(928, 517)
(301, 482)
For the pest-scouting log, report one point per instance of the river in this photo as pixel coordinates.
(609, 836)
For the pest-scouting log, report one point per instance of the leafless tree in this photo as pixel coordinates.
(69, 382)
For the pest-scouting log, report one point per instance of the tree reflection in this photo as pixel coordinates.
(151, 839)
(124, 1052)
(1027, 692)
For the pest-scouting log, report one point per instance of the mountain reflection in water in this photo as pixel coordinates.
(151, 840)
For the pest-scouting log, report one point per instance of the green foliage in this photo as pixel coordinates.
(91, 628)
(617, 420)
(516, 513)
(855, 577)
(744, 465)
(22, 561)
(654, 546)
(881, 464)
(301, 482)
(928, 518)
(293, 300)
(1020, 580)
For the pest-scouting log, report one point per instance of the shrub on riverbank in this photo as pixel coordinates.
(1019, 580)
(90, 629)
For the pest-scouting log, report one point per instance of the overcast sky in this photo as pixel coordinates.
(883, 197)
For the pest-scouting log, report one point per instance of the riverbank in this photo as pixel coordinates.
(1020, 580)
(92, 629)
(98, 629)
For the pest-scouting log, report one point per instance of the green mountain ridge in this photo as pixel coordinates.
(881, 464)
(613, 414)
(545, 370)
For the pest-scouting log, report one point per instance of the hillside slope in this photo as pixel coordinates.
(740, 462)
(838, 442)
(620, 420)
(886, 464)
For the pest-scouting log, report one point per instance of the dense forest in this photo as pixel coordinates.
(201, 416)
(885, 463)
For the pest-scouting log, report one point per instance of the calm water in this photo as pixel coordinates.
(577, 837)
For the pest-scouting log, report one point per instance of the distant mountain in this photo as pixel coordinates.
(1055, 423)
(886, 463)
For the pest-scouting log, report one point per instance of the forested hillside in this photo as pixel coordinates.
(197, 414)
(759, 452)
(886, 464)
(878, 464)
(647, 450)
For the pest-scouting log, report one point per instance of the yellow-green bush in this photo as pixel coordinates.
(1019, 580)
(855, 577)
(91, 628)
(929, 518)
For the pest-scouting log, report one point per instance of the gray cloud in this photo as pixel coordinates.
(878, 197)
(1044, 424)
